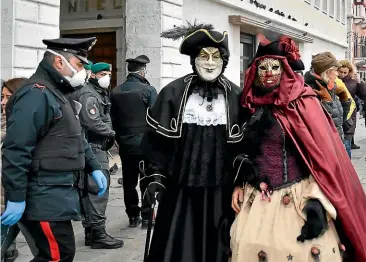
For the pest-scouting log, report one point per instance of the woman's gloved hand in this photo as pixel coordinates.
(316, 221)
(155, 188)
(323, 92)
(101, 181)
(13, 213)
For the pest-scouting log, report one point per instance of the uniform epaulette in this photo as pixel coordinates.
(39, 86)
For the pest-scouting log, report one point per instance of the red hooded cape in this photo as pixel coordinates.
(315, 136)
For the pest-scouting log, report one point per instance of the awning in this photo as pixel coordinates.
(268, 25)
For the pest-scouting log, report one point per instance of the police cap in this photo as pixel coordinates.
(141, 59)
(76, 46)
(101, 66)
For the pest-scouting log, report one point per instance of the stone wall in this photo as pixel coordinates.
(30, 22)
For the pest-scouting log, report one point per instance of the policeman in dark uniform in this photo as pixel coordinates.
(45, 152)
(129, 104)
(96, 122)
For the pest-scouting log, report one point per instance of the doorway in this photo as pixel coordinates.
(104, 50)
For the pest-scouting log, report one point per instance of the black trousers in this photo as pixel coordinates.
(54, 239)
(130, 173)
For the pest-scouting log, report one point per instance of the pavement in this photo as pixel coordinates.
(134, 238)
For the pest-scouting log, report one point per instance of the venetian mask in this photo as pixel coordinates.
(209, 64)
(269, 73)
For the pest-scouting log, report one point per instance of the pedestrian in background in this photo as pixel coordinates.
(97, 125)
(9, 251)
(129, 104)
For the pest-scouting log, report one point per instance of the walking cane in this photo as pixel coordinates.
(148, 235)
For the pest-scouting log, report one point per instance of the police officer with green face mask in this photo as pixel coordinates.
(96, 122)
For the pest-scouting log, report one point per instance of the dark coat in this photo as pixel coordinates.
(129, 104)
(50, 195)
(355, 89)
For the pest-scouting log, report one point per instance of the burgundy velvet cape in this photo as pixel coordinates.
(312, 130)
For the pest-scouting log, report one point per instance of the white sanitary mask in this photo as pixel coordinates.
(104, 81)
(78, 78)
(209, 64)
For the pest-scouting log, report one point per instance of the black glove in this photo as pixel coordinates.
(108, 143)
(154, 189)
(316, 220)
(153, 181)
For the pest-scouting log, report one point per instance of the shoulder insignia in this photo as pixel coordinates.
(39, 86)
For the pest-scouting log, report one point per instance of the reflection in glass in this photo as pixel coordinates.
(100, 5)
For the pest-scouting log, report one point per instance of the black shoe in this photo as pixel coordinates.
(88, 236)
(11, 256)
(145, 223)
(101, 240)
(135, 221)
(354, 146)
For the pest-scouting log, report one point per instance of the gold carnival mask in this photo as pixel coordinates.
(269, 72)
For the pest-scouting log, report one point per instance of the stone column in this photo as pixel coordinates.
(143, 27)
(145, 20)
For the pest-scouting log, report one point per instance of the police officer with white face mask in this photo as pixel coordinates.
(45, 152)
(96, 122)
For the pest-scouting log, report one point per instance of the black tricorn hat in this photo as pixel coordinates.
(76, 46)
(198, 36)
(141, 59)
(286, 47)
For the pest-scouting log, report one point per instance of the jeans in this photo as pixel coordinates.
(347, 144)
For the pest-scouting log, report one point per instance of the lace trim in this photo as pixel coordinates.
(196, 111)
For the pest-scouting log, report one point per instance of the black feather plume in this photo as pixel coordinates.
(184, 30)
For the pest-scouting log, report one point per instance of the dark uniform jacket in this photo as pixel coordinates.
(44, 150)
(95, 119)
(129, 104)
(355, 89)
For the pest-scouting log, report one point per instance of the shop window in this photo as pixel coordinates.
(317, 4)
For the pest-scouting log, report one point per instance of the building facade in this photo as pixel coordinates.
(358, 38)
(127, 28)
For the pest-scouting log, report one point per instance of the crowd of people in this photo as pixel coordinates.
(255, 173)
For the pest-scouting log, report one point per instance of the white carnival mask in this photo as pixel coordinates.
(209, 64)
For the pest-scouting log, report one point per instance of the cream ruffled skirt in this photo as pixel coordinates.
(272, 227)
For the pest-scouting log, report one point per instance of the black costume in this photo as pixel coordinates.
(192, 144)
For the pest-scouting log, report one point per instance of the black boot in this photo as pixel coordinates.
(354, 146)
(87, 232)
(101, 240)
(135, 221)
(11, 256)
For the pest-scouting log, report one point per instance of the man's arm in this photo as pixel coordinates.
(90, 117)
(361, 91)
(30, 117)
(149, 96)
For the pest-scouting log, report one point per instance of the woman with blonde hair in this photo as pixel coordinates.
(348, 74)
